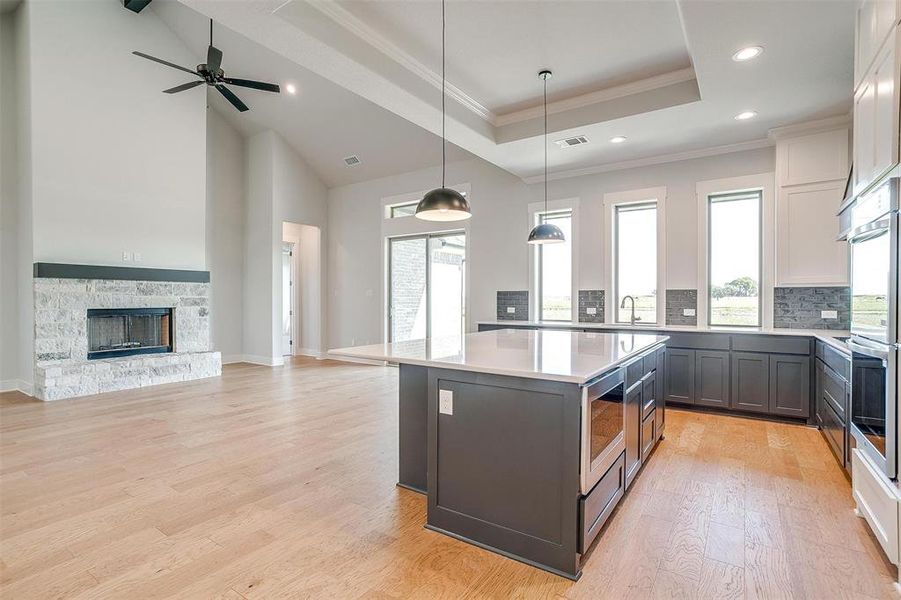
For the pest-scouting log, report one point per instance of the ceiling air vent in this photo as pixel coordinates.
(352, 161)
(573, 141)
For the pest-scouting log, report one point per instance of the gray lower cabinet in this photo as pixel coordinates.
(712, 378)
(790, 385)
(632, 425)
(751, 381)
(659, 392)
(680, 375)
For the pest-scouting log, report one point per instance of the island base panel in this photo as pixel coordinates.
(412, 444)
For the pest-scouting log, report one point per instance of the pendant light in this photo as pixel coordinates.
(443, 204)
(545, 233)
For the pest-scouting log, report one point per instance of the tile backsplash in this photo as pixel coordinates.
(518, 300)
(591, 299)
(677, 302)
(800, 307)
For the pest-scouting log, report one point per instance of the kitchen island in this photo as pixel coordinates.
(525, 441)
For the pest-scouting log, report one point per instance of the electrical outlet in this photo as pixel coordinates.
(511, 310)
(828, 314)
(369, 293)
(591, 310)
(138, 257)
(689, 312)
(126, 256)
(445, 402)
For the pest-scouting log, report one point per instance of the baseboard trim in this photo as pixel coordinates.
(265, 361)
(307, 352)
(17, 385)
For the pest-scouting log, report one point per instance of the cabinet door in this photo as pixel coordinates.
(885, 112)
(680, 375)
(751, 381)
(712, 378)
(632, 426)
(648, 394)
(790, 385)
(864, 122)
(660, 394)
(818, 399)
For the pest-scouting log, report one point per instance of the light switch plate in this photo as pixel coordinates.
(445, 402)
(828, 314)
(689, 312)
(591, 310)
(511, 310)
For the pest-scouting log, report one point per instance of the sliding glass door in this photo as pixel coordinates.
(426, 277)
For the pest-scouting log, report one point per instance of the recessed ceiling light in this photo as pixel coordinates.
(747, 53)
(291, 89)
(744, 116)
(618, 139)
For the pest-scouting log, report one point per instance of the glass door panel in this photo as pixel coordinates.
(407, 295)
(447, 264)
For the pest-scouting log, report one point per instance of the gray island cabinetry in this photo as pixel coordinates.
(525, 441)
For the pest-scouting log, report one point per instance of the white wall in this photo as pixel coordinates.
(225, 234)
(9, 301)
(116, 165)
(498, 230)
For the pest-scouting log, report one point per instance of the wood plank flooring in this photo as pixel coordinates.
(279, 483)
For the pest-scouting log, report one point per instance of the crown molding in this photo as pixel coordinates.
(359, 28)
(653, 160)
(598, 96)
(808, 127)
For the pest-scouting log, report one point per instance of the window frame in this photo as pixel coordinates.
(617, 208)
(535, 209)
(627, 197)
(766, 182)
(709, 232)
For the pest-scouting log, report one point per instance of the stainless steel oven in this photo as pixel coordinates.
(602, 427)
(874, 402)
(874, 326)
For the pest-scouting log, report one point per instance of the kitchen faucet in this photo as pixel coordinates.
(633, 318)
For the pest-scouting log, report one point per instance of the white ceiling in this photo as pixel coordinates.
(323, 122)
(659, 72)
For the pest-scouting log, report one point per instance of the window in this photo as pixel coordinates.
(407, 209)
(734, 246)
(555, 269)
(635, 261)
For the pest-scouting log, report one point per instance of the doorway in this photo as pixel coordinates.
(288, 295)
(426, 286)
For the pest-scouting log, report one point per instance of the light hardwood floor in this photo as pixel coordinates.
(279, 483)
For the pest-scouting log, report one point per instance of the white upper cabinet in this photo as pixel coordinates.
(875, 19)
(811, 173)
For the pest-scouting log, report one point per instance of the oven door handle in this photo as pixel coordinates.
(868, 350)
(869, 231)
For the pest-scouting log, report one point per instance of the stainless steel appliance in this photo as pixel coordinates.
(874, 327)
(603, 440)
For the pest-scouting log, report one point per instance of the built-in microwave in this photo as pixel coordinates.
(603, 440)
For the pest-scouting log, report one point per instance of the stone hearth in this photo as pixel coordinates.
(62, 368)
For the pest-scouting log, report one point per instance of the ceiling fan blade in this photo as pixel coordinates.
(236, 102)
(257, 85)
(165, 62)
(183, 87)
(213, 58)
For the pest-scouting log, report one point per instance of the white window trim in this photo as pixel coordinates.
(536, 208)
(611, 201)
(766, 182)
(402, 227)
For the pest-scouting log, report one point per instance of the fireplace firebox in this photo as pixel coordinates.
(116, 332)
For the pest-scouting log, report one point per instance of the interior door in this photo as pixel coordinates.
(287, 300)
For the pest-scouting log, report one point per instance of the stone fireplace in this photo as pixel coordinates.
(101, 329)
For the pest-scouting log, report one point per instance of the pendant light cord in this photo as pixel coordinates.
(545, 146)
(443, 113)
(211, 32)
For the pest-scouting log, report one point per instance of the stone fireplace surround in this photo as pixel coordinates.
(62, 295)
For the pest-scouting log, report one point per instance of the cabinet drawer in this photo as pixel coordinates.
(839, 362)
(595, 508)
(648, 435)
(834, 432)
(876, 502)
(779, 344)
(834, 391)
(703, 341)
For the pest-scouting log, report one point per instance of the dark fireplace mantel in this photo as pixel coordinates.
(67, 271)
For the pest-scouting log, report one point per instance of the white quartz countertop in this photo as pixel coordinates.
(827, 336)
(552, 354)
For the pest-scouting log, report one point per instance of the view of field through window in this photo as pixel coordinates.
(555, 274)
(636, 261)
(734, 258)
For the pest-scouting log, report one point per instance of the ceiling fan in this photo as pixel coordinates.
(211, 74)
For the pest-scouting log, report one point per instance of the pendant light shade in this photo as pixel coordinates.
(545, 233)
(443, 204)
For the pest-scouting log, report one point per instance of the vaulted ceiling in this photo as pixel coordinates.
(658, 72)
